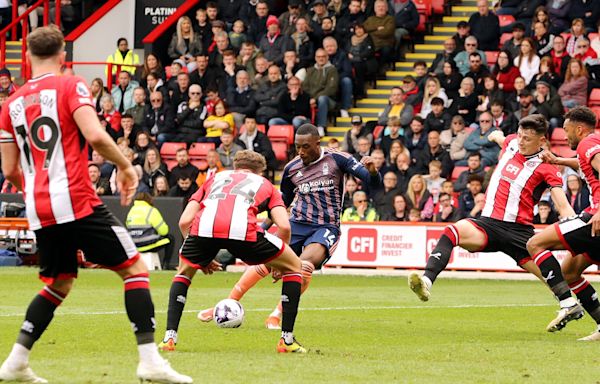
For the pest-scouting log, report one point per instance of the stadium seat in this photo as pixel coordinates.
(504, 38)
(199, 150)
(596, 110)
(201, 164)
(505, 20)
(281, 151)
(283, 133)
(558, 137)
(563, 151)
(168, 71)
(168, 150)
(424, 7)
(170, 163)
(594, 100)
(565, 35)
(592, 36)
(457, 171)
(439, 7)
(491, 57)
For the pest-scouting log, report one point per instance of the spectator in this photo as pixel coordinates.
(274, 44)
(257, 22)
(206, 76)
(453, 139)
(513, 45)
(159, 117)
(383, 199)
(447, 212)
(588, 11)
(406, 21)
(403, 170)
(399, 209)
(505, 71)
(361, 211)
(321, 84)
(350, 186)
(161, 187)
(293, 106)
(237, 35)
(433, 90)
(183, 166)
(560, 56)
(123, 93)
(241, 98)
(203, 28)
(437, 66)
(287, 20)
(219, 46)
(302, 44)
(472, 200)
(450, 79)
(361, 54)
(503, 120)
(106, 168)
(153, 167)
(527, 61)
(358, 130)
(393, 132)
(6, 83)
(155, 84)
(548, 103)
(474, 168)
(546, 74)
(142, 144)
(151, 65)
(477, 72)
(526, 106)
(396, 148)
(466, 103)
(491, 93)
(213, 166)
(478, 141)
(100, 184)
(585, 53)
(139, 106)
(396, 107)
(229, 71)
(381, 28)
(257, 141)
(438, 119)
(227, 149)
(111, 116)
(462, 58)
(347, 22)
(460, 37)
(215, 124)
(485, 26)
(333, 144)
(540, 15)
(545, 215)
(523, 13)
(268, 94)
(190, 117)
(558, 10)
(543, 39)
(340, 61)
(577, 194)
(573, 91)
(434, 180)
(319, 14)
(363, 148)
(419, 197)
(512, 100)
(231, 10)
(414, 215)
(291, 66)
(124, 57)
(412, 94)
(180, 92)
(433, 151)
(595, 41)
(247, 57)
(415, 138)
(185, 188)
(129, 130)
(97, 89)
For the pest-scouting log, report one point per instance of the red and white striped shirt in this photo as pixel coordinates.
(517, 184)
(54, 154)
(586, 150)
(229, 203)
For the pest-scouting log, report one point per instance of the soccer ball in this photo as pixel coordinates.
(228, 313)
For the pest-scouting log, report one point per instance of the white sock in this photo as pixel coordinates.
(19, 356)
(170, 334)
(568, 302)
(427, 282)
(288, 337)
(149, 354)
(276, 313)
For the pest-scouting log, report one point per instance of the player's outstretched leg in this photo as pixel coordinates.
(539, 247)
(290, 267)
(249, 279)
(177, 298)
(274, 319)
(37, 318)
(437, 262)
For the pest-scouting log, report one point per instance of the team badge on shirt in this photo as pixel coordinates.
(82, 90)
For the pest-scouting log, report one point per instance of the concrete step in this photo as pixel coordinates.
(370, 103)
(345, 121)
(388, 84)
(393, 75)
(365, 112)
(437, 38)
(407, 65)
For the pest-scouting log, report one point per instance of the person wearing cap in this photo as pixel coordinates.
(462, 32)
(319, 12)
(6, 83)
(321, 83)
(274, 44)
(462, 59)
(412, 94)
(548, 103)
(287, 20)
(381, 27)
(513, 45)
(123, 56)
(185, 43)
(485, 26)
(358, 130)
(526, 106)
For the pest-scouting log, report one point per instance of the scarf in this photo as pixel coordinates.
(355, 40)
(272, 39)
(299, 38)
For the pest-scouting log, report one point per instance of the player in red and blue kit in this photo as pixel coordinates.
(579, 234)
(312, 186)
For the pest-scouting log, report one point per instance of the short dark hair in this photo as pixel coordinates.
(476, 54)
(93, 165)
(45, 42)
(544, 203)
(419, 63)
(121, 39)
(126, 116)
(537, 122)
(437, 101)
(583, 115)
(419, 119)
(308, 129)
(227, 131)
(498, 103)
(474, 154)
(474, 177)
(443, 194)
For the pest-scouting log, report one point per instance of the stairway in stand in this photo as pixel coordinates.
(13, 58)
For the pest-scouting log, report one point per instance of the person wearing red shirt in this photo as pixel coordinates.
(41, 130)
(506, 72)
(514, 188)
(579, 234)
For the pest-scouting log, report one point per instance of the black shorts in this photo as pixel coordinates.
(100, 236)
(199, 251)
(502, 236)
(576, 235)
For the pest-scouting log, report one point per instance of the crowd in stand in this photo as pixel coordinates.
(239, 68)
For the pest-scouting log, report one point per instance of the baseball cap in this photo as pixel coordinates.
(462, 24)
(356, 119)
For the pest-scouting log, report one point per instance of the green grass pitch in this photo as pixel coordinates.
(358, 329)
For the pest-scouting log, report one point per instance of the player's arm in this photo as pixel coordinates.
(185, 221)
(561, 203)
(279, 216)
(10, 163)
(497, 137)
(551, 158)
(595, 220)
(365, 170)
(127, 179)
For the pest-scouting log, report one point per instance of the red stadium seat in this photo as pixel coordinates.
(201, 164)
(170, 164)
(566, 36)
(438, 7)
(596, 110)
(168, 71)
(422, 27)
(424, 7)
(594, 99)
(505, 20)
(563, 151)
(504, 38)
(284, 133)
(377, 131)
(558, 137)
(168, 150)
(281, 150)
(199, 150)
(491, 57)
(457, 171)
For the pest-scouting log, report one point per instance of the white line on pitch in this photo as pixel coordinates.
(361, 308)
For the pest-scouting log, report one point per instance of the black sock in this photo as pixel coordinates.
(440, 256)
(140, 308)
(587, 297)
(552, 274)
(177, 298)
(290, 298)
(39, 315)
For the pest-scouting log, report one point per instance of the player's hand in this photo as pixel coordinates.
(127, 183)
(595, 221)
(367, 161)
(212, 267)
(549, 157)
(496, 135)
(276, 274)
